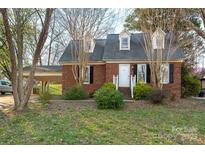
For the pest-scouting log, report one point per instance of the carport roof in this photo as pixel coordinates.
(44, 69)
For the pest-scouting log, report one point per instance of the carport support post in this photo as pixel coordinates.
(42, 87)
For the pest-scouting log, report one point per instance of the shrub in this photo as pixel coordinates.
(44, 98)
(36, 90)
(108, 98)
(109, 85)
(157, 96)
(76, 93)
(142, 91)
(173, 97)
(91, 94)
(190, 84)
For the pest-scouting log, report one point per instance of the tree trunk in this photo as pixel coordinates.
(40, 44)
(21, 95)
(12, 57)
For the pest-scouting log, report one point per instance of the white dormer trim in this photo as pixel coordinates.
(92, 45)
(89, 43)
(157, 37)
(124, 35)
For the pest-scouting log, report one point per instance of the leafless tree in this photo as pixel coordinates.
(14, 32)
(160, 30)
(83, 25)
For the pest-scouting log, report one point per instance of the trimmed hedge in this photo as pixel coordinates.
(142, 91)
(108, 98)
(109, 85)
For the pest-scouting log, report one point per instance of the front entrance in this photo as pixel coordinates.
(124, 75)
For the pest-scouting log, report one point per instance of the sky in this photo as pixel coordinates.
(123, 13)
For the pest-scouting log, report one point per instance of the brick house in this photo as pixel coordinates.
(122, 56)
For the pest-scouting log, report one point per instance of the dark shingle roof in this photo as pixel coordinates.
(108, 50)
(95, 56)
(55, 68)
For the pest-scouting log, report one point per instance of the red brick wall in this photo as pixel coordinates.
(175, 87)
(67, 77)
(104, 73)
(69, 81)
(111, 69)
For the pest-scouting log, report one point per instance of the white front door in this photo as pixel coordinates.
(124, 75)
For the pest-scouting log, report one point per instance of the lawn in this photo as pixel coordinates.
(55, 89)
(77, 124)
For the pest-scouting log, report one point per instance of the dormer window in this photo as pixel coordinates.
(89, 45)
(124, 38)
(158, 39)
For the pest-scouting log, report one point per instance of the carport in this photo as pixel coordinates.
(45, 75)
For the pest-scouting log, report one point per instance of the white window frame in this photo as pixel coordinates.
(128, 43)
(138, 66)
(164, 82)
(87, 82)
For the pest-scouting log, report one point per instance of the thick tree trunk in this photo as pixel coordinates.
(12, 57)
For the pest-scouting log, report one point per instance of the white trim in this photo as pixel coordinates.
(137, 62)
(128, 41)
(145, 80)
(91, 63)
(108, 61)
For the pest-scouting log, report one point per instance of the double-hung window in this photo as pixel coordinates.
(124, 43)
(164, 73)
(141, 72)
(87, 75)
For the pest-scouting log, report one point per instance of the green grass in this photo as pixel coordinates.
(149, 125)
(55, 89)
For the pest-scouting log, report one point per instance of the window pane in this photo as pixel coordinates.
(4, 83)
(87, 74)
(124, 43)
(141, 73)
(165, 73)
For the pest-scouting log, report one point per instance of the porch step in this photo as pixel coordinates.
(126, 92)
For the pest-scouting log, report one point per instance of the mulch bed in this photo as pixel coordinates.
(81, 104)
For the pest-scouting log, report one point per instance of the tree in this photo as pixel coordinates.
(195, 19)
(155, 23)
(4, 55)
(14, 33)
(83, 25)
(187, 22)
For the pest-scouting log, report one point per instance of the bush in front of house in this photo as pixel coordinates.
(157, 96)
(109, 85)
(44, 97)
(190, 84)
(76, 93)
(107, 98)
(141, 91)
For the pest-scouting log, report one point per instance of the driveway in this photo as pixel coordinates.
(7, 101)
